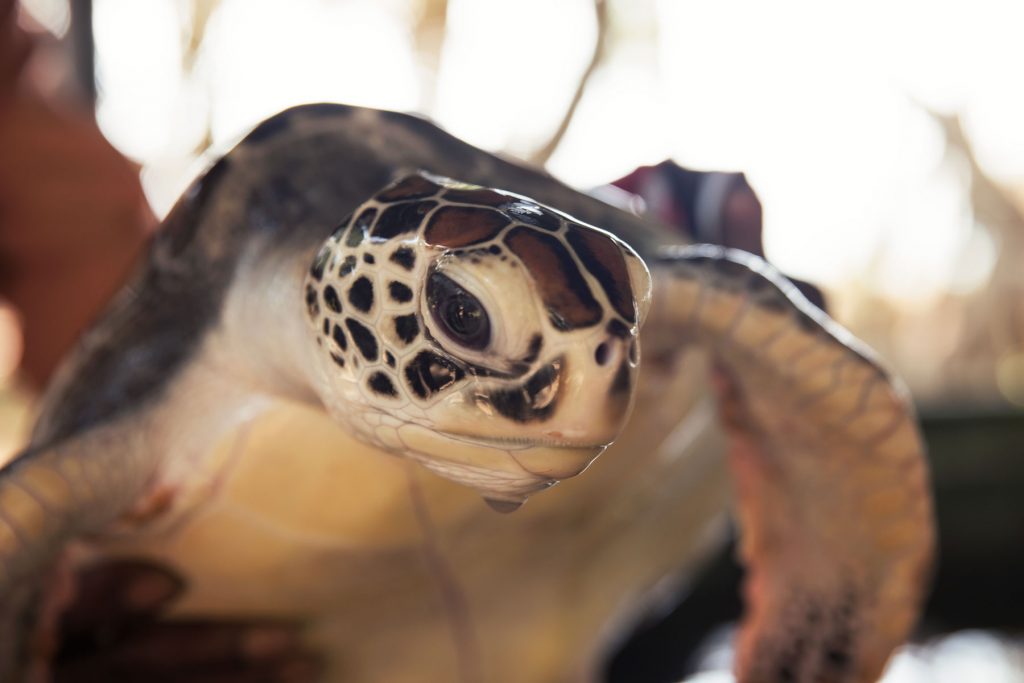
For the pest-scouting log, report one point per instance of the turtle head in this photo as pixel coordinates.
(489, 337)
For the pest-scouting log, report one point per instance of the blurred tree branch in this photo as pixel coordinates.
(195, 34)
(200, 15)
(83, 46)
(429, 34)
(543, 154)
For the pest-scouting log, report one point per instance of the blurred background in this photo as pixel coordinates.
(884, 140)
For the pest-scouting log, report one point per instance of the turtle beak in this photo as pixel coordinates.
(528, 471)
(504, 473)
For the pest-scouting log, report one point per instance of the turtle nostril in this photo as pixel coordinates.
(602, 354)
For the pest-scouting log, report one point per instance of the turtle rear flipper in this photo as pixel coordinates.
(48, 495)
(828, 465)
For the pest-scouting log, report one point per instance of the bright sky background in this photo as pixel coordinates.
(818, 103)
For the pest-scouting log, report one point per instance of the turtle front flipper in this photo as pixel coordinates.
(48, 495)
(832, 486)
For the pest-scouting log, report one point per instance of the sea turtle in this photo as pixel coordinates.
(459, 321)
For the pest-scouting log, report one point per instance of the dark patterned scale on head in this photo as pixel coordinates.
(604, 260)
(331, 299)
(400, 219)
(460, 226)
(480, 197)
(414, 186)
(404, 257)
(430, 373)
(563, 288)
(381, 384)
(360, 228)
(399, 292)
(365, 339)
(339, 337)
(532, 214)
(312, 304)
(407, 327)
(347, 266)
(360, 294)
(534, 400)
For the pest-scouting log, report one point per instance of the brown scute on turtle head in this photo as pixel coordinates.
(604, 259)
(527, 212)
(415, 186)
(482, 197)
(563, 288)
(459, 226)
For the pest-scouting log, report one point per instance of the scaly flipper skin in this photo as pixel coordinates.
(46, 499)
(829, 468)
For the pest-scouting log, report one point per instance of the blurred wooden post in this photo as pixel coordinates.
(83, 49)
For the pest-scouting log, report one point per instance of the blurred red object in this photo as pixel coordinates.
(73, 217)
(707, 207)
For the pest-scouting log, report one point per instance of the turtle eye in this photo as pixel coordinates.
(458, 312)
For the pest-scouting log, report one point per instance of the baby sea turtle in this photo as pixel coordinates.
(496, 341)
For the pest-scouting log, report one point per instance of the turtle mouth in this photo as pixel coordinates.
(521, 443)
(547, 459)
(499, 468)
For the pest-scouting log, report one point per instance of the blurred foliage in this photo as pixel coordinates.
(965, 351)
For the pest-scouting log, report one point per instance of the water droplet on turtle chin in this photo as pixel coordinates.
(504, 506)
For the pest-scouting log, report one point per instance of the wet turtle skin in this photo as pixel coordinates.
(404, 575)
